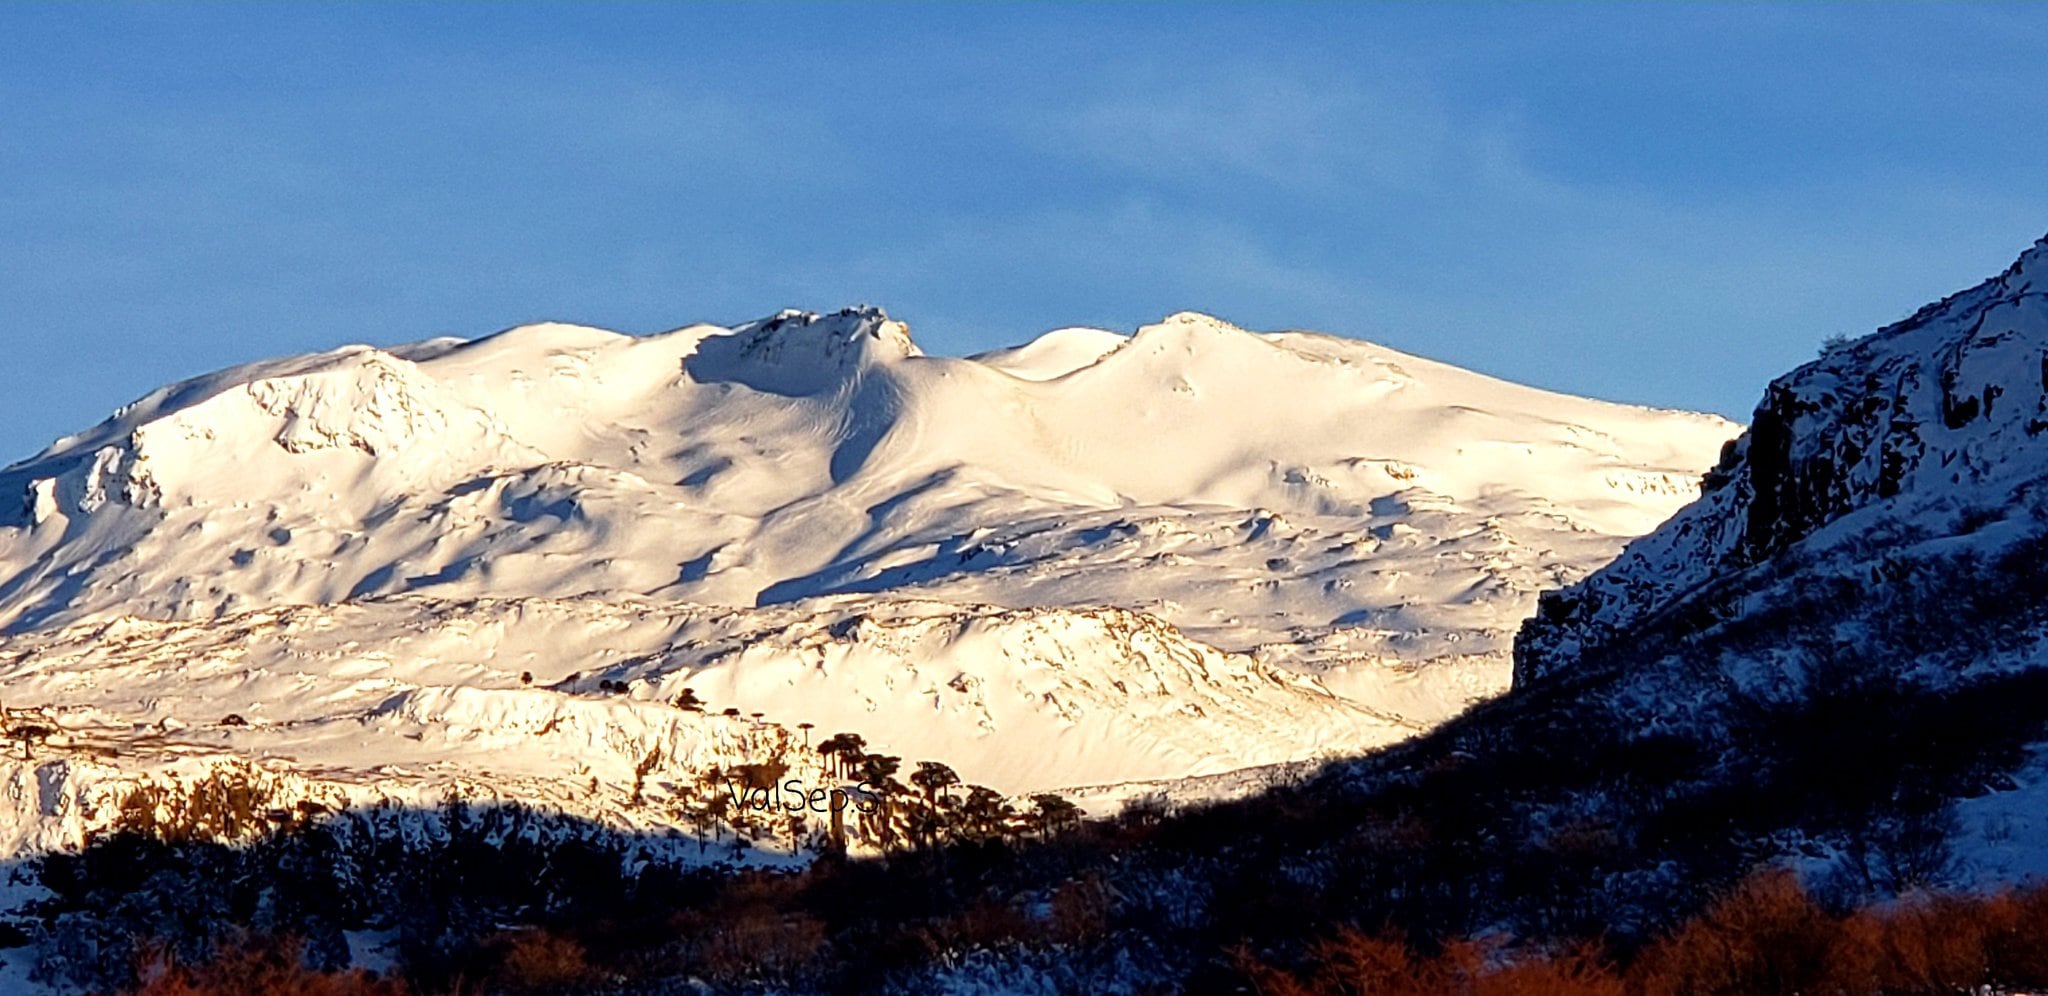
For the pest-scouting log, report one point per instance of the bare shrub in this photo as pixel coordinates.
(1764, 936)
(257, 969)
(540, 961)
(1080, 910)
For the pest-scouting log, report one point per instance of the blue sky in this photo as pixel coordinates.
(1666, 205)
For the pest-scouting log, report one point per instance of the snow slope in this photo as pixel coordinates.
(1088, 559)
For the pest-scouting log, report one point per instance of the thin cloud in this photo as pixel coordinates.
(1275, 129)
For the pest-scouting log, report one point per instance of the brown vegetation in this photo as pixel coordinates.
(1766, 936)
(253, 969)
(537, 960)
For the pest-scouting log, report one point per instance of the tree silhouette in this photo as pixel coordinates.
(1053, 812)
(878, 769)
(985, 813)
(843, 752)
(828, 751)
(934, 778)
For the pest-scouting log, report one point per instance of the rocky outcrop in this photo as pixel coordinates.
(1934, 424)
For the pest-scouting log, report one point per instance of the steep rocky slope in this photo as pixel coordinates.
(1927, 430)
(1857, 608)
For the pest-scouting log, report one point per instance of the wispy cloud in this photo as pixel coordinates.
(1275, 128)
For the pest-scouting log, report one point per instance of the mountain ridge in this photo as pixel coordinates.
(1153, 558)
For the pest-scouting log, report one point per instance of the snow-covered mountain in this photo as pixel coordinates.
(1089, 559)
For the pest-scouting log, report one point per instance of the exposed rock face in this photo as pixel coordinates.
(1934, 423)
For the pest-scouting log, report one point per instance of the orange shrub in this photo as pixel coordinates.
(256, 969)
(538, 961)
(1579, 971)
(1765, 936)
(1354, 963)
(2016, 953)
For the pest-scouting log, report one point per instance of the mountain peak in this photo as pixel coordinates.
(847, 326)
(2030, 267)
(1196, 318)
(1193, 333)
(1194, 322)
(802, 352)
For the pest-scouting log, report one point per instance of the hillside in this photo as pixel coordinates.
(1919, 441)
